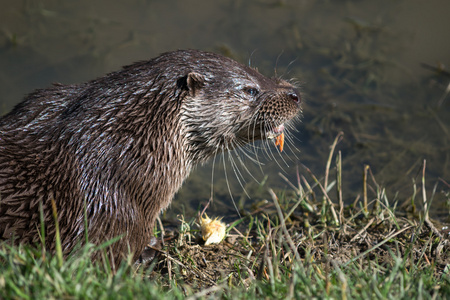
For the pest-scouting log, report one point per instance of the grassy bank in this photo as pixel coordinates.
(302, 243)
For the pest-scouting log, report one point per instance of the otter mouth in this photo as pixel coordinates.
(277, 134)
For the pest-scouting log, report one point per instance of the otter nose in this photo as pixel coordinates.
(295, 97)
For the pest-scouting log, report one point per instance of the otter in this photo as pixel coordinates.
(116, 149)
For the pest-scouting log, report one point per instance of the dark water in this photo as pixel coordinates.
(359, 63)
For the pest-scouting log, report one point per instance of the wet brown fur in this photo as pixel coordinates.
(119, 147)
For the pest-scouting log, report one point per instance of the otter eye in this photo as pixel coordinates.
(252, 91)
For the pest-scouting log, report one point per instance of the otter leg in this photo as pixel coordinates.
(150, 251)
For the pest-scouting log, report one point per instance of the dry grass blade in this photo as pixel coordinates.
(426, 204)
(330, 156)
(366, 209)
(59, 254)
(339, 187)
(377, 245)
(362, 230)
(283, 226)
(330, 203)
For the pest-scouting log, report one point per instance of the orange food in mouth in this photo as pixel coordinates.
(279, 141)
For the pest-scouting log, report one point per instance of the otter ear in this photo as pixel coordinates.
(192, 82)
(195, 81)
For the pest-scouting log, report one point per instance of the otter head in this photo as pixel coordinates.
(228, 104)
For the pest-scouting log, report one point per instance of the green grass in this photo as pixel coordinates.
(26, 274)
(306, 244)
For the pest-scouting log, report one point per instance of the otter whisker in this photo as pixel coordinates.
(276, 63)
(291, 145)
(287, 68)
(252, 138)
(269, 149)
(250, 150)
(212, 177)
(245, 167)
(237, 173)
(228, 184)
(292, 138)
(250, 58)
(266, 129)
(270, 152)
